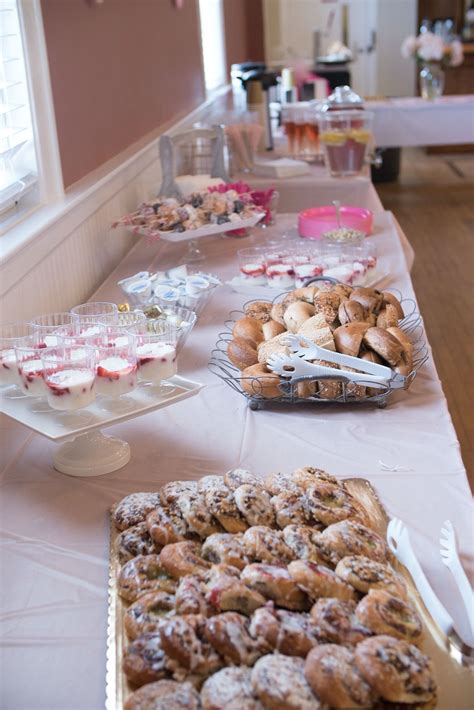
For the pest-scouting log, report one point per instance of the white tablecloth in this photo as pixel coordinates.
(413, 121)
(55, 529)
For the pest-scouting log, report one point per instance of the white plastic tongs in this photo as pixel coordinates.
(298, 365)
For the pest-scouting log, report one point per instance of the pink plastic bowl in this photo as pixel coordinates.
(315, 221)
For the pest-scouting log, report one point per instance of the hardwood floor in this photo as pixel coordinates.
(434, 202)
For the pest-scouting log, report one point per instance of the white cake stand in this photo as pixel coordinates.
(84, 450)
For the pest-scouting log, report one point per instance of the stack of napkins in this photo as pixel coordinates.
(280, 168)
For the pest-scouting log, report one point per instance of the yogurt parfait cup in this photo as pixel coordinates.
(252, 266)
(127, 321)
(97, 311)
(28, 353)
(116, 366)
(280, 272)
(307, 264)
(69, 376)
(10, 335)
(156, 355)
(47, 324)
(81, 333)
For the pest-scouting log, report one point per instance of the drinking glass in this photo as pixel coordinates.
(10, 334)
(97, 311)
(45, 326)
(69, 375)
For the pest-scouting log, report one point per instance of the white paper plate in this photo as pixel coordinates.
(208, 231)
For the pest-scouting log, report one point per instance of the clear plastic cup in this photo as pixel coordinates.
(127, 320)
(10, 334)
(156, 354)
(47, 324)
(252, 266)
(345, 137)
(97, 311)
(280, 272)
(307, 264)
(69, 375)
(116, 365)
(81, 333)
(28, 352)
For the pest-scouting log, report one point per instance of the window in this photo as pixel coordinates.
(18, 162)
(213, 44)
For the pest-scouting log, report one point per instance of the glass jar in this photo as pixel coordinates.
(345, 137)
(431, 81)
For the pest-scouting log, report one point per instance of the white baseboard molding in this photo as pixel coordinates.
(59, 255)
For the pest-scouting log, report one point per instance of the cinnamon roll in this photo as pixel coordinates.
(183, 558)
(263, 544)
(228, 593)
(383, 613)
(365, 574)
(318, 581)
(255, 505)
(170, 492)
(332, 674)
(166, 525)
(279, 682)
(183, 642)
(144, 573)
(164, 695)
(224, 548)
(231, 689)
(229, 636)
(275, 583)
(134, 508)
(289, 507)
(190, 596)
(193, 508)
(221, 504)
(396, 669)
(300, 540)
(351, 538)
(278, 482)
(239, 477)
(335, 622)
(144, 660)
(289, 632)
(134, 541)
(147, 614)
(309, 475)
(330, 503)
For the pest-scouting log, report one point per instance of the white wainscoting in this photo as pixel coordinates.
(74, 249)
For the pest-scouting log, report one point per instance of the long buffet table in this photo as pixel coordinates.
(55, 529)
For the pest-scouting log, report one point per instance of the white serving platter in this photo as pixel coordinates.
(208, 231)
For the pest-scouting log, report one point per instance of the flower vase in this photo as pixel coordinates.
(431, 81)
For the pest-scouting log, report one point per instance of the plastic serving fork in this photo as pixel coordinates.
(450, 557)
(296, 365)
(399, 542)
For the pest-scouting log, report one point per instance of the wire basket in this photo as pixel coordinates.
(221, 366)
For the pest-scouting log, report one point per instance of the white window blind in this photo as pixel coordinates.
(213, 44)
(18, 163)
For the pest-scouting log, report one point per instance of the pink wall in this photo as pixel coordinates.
(118, 71)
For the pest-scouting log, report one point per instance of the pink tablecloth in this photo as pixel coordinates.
(54, 545)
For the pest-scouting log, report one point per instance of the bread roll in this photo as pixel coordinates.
(328, 389)
(296, 314)
(327, 303)
(307, 293)
(272, 347)
(242, 353)
(259, 310)
(306, 388)
(257, 381)
(348, 338)
(316, 330)
(388, 317)
(248, 328)
(402, 338)
(343, 290)
(350, 311)
(385, 344)
(277, 313)
(393, 300)
(271, 329)
(405, 364)
(369, 298)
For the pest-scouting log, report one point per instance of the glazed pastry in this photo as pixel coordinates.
(278, 482)
(228, 593)
(289, 507)
(397, 670)
(351, 538)
(190, 596)
(183, 642)
(164, 695)
(383, 613)
(134, 541)
(275, 583)
(289, 632)
(255, 505)
(309, 475)
(146, 614)
(166, 525)
(262, 544)
(231, 689)
(335, 622)
(221, 504)
(279, 682)
(229, 636)
(330, 504)
(364, 574)
(134, 508)
(193, 508)
(224, 548)
(300, 539)
(144, 573)
(318, 581)
(144, 660)
(170, 492)
(240, 476)
(183, 558)
(332, 674)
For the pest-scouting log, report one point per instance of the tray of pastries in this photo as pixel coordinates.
(370, 326)
(275, 593)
